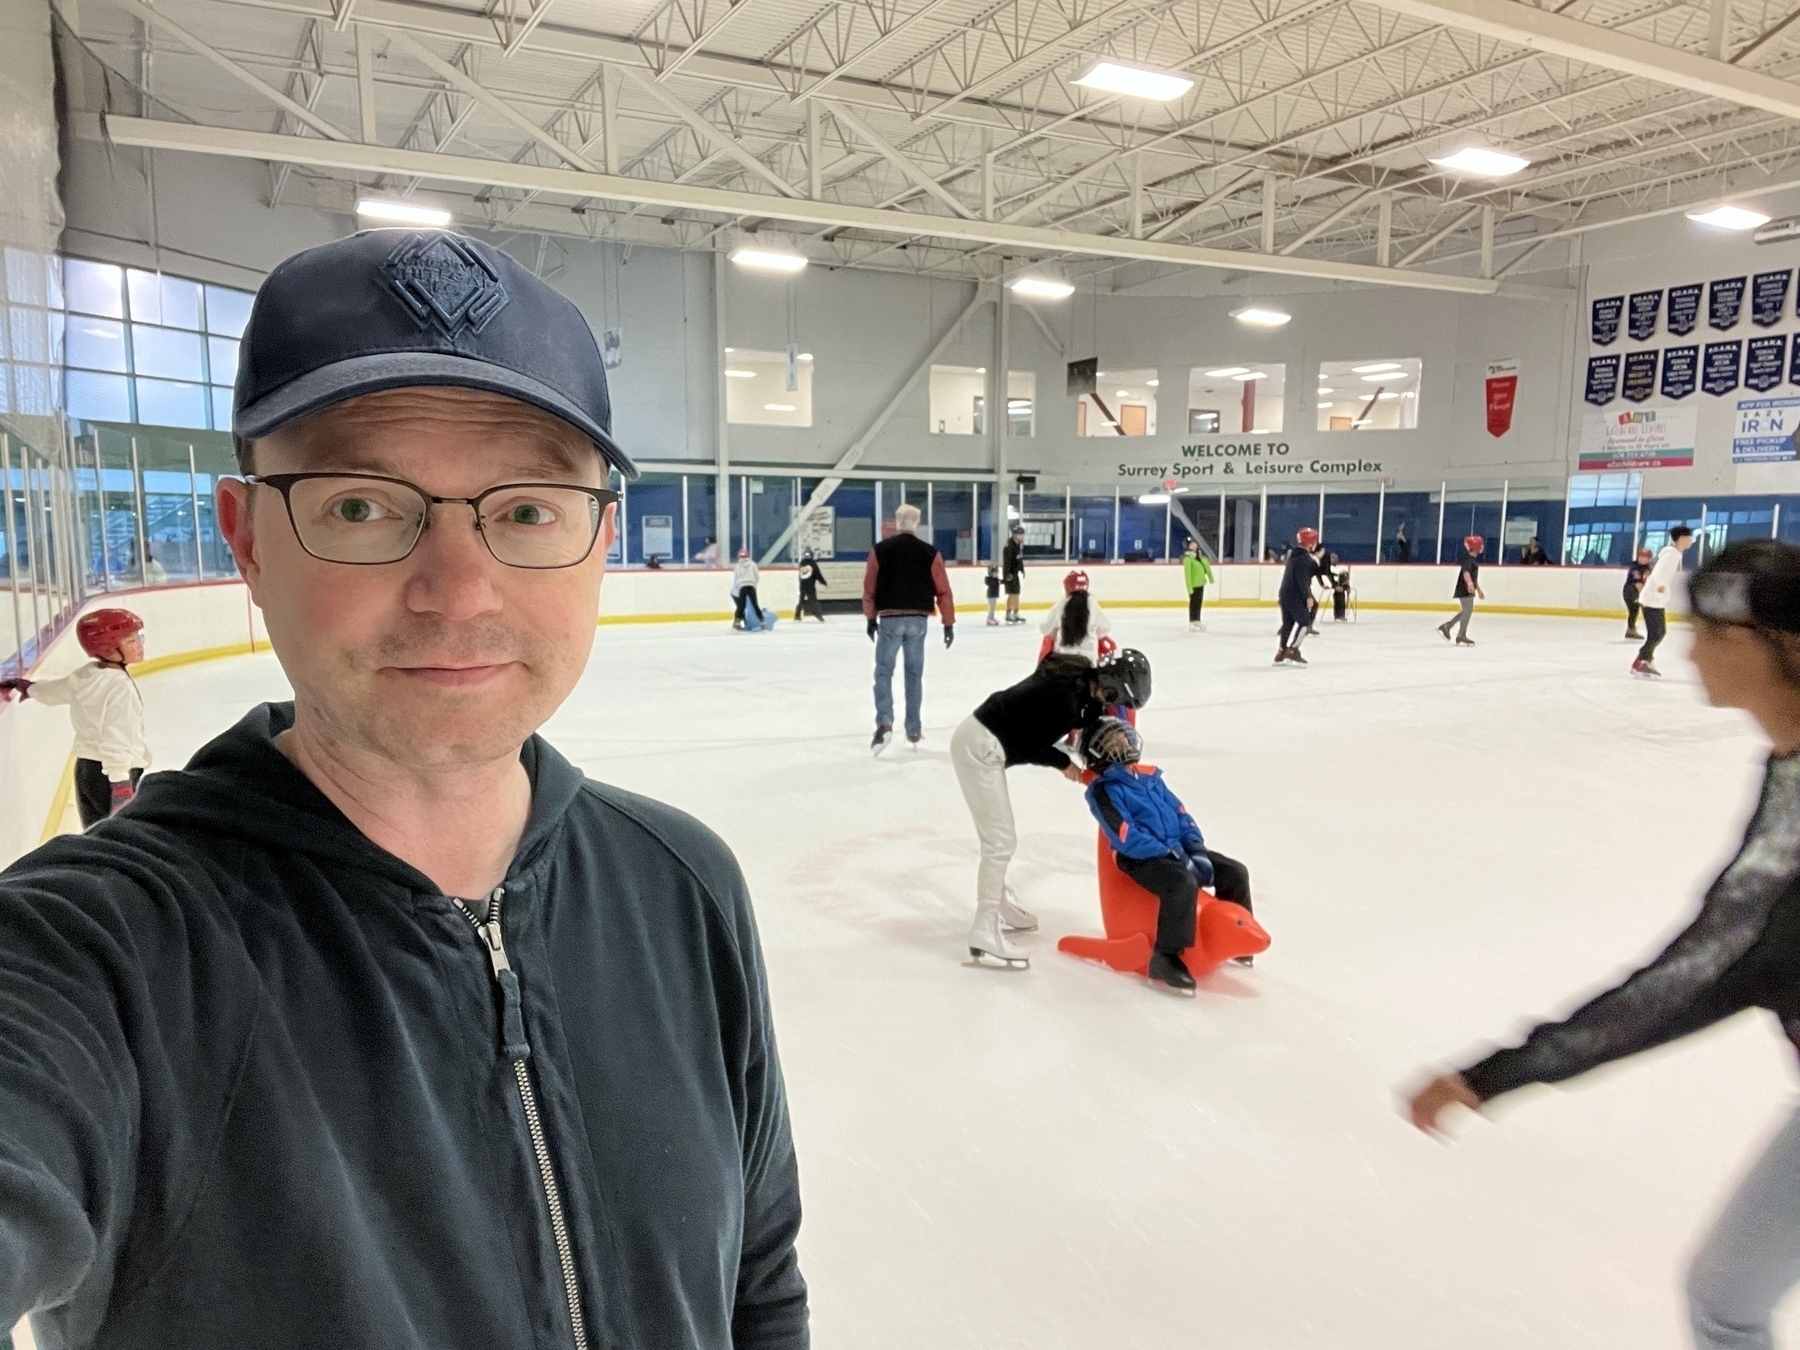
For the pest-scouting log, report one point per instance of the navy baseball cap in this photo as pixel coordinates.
(395, 309)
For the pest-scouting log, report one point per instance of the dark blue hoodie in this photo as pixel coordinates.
(261, 1089)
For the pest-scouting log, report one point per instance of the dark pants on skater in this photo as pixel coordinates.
(1340, 602)
(1631, 613)
(93, 791)
(1294, 629)
(747, 596)
(809, 603)
(1656, 628)
(1173, 883)
(1196, 598)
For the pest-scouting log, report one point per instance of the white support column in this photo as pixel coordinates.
(194, 502)
(1137, 197)
(1384, 233)
(1700, 552)
(1775, 522)
(1118, 552)
(1380, 517)
(1168, 526)
(687, 545)
(987, 187)
(365, 84)
(722, 456)
(1262, 527)
(998, 416)
(1443, 499)
(1715, 29)
(1487, 241)
(1505, 501)
(609, 118)
(12, 551)
(1221, 524)
(1068, 522)
(1268, 213)
(1637, 518)
(1565, 544)
(815, 141)
(1321, 512)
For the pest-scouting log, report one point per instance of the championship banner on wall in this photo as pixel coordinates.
(1680, 371)
(1765, 430)
(1639, 380)
(1720, 367)
(1641, 315)
(1602, 380)
(1765, 362)
(1606, 319)
(1642, 438)
(1724, 302)
(1768, 297)
(1684, 309)
(1502, 392)
(1794, 366)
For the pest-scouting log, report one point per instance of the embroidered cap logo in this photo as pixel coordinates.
(444, 283)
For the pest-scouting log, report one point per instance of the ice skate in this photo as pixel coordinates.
(1444, 631)
(1632, 635)
(1646, 670)
(912, 742)
(988, 943)
(993, 623)
(1465, 642)
(1168, 972)
(1281, 655)
(884, 735)
(1014, 917)
(1295, 657)
(1196, 627)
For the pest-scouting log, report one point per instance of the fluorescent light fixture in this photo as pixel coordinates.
(1388, 378)
(1258, 431)
(1371, 369)
(1251, 375)
(403, 213)
(806, 356)
(1387, 394)
(1122, 393)
(1042, 288)
(768, 260)
(1152, 384)
(740, 374)
(1477, 161)
(1261, 318)
(1114, 77)
(1362, 421)
(1226, 373)
(1324, 405)
(730, 350)
(1728, 217)
(778, 407)
(1154, 499)
(1324, 392)
(981, 370)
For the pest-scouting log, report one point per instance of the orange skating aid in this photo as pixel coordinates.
(1128, 911)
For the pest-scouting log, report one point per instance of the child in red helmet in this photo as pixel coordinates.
(1467, 588)
(1076, 623)
(110, 755)
(1296, 596)
(744, 578)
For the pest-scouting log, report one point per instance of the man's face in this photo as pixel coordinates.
(448, 656)
(1685, 542)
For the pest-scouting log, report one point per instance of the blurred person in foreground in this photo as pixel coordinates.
(1741, 951)
(379, 1026)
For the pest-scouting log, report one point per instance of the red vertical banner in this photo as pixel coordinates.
(1502, 392)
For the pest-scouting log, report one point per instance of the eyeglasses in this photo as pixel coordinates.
(365, 519)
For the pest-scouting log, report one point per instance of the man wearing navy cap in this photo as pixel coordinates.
(379, 1025)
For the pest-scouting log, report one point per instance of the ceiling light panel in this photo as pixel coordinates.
(1478, 161)
(1115, 77)
(1726, 216)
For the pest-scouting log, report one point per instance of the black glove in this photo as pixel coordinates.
(873, 625)
(20, 687)
(949, 634)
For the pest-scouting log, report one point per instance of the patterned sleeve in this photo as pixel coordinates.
(1685, 988)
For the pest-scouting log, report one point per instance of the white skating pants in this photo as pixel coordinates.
(980, 762)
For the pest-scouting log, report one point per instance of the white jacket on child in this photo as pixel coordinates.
(744, 574)
(1098, 627)
(1659, 585)
(108, 714)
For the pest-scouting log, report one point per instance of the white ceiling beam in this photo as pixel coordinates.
(477, 91)
(1437, 236)
(352, 158)
(881, 42)
(155, 19)
(1356, 203)
(734, 10)
(898, 158)
(1557, 35)
(718, 137)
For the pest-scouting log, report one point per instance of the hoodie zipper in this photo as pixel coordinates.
(516, 1049)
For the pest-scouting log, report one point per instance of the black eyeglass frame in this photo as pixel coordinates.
(284, 482)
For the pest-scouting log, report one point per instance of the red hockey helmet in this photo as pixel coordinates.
(1308, 538)
(1475, 543)
(101, 633)
(1075, 581)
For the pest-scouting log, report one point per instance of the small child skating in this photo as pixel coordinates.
(108, 714)
(993, 594)
(744, 578)
(811, 578)
(1157, 844)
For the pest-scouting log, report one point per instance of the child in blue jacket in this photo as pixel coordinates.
(1157, 844)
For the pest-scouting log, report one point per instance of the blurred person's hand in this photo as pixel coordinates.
(1439, 1095)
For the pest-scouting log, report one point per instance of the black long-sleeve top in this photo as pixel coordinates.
(1296, 584)
(1741, 951)
(1032, 717)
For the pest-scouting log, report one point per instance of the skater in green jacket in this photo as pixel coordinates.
(1196, 572)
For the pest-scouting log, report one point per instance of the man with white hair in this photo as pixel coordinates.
(903, 582)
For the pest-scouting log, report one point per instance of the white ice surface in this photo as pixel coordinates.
(1444, 842)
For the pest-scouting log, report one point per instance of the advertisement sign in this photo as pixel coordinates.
(1645, 307)
(1765, 430)
(658, 536)
(1680, 371)
(1639, 381)
(1684, 309)
(817, 532)
(1502, 391)
(1765, 362)
(1638, 438)
(1768, 297)
(1606, 319)
(1720, 367)
(1602, 379)
(1724, 302)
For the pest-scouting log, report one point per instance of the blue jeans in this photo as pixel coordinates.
(1751, 1258)
(897, 632)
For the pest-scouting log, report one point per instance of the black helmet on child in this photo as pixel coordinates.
(1112, 740)
(1754, 583)
(1124, 678)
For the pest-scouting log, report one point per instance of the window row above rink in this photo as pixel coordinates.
(1224, 400)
